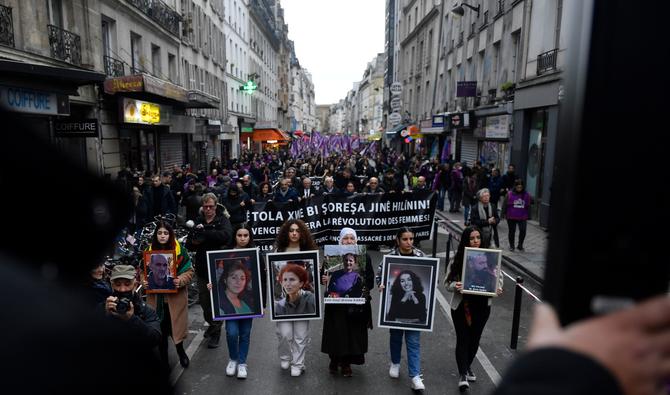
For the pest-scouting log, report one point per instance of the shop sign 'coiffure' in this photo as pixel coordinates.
(32, 101)
(76, 128)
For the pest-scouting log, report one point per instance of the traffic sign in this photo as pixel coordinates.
(395, 118)
(395, 103)
(396, 88)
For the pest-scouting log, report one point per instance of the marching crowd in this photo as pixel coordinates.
(217, 202)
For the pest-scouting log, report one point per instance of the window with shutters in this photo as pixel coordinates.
(429, 49)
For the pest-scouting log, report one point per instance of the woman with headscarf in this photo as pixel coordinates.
(345, 326)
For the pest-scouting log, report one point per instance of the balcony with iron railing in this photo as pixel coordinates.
(160, 13)
(65, 45)
(114, 67)
(485, 21)
(500, 8)
(6, 26)
(546, 61)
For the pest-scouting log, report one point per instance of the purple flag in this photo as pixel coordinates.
(445, 151)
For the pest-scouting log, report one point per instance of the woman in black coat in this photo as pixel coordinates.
(345, 327)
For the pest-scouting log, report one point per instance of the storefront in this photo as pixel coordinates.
(493, 135)
(536, 112)
(47, 98)
(149, 115)
(461, 126)
(434, 135)
(271, 138)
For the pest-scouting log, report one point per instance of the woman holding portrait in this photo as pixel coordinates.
(345, 327)
(172, 309)
(293, 336)
(468, 312)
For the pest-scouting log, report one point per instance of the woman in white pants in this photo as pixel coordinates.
(294, 336)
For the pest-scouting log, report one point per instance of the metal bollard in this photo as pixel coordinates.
(434, 238)
(517, 313)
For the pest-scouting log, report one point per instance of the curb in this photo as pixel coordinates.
(506, 259)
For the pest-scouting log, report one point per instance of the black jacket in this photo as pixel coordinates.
(214, 236)
(551, 371)
(144, 325)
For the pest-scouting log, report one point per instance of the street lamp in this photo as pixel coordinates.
(459, 11)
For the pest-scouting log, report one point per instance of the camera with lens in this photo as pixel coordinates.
(123, 305)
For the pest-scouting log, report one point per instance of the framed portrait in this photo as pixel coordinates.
(481, 271)
(160, 269)
(408, 300)
(345, 267)
(294, 285)
(236, 283)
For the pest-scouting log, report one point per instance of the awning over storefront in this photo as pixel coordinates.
(148, 84)
(63, 80)
(270, 135)
(395, 129)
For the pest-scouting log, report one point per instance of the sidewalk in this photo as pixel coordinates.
(531, 261)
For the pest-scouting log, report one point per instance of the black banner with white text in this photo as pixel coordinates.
(376, 218)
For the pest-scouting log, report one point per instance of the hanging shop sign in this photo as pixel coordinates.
(32, 101)
(395, 104)
(76, 128)
(459, 120)
(466, 88)
(396, 88)
(395, 118)
(141, 112)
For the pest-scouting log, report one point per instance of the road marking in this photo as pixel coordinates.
(481, 356)
(177, 371)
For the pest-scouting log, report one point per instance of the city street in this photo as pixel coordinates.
(206, 374)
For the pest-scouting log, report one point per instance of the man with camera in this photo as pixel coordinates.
(212, 231)
(126, 305)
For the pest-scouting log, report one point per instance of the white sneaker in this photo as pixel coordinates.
(284, 364)
(296, 371)
(394, 370)
(242, 371)
(463, 383)
(417, 383)
(230, 369)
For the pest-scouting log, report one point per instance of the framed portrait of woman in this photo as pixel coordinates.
(236, 283)
(481, 271)
(160, 270)
(294, 285)
(408, 300)
(345, 267)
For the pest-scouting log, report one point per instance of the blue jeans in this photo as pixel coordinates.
(238, 335)
(413, 343)
(440, 199)
(466, 212)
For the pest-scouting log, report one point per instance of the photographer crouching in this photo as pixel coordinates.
(127, 306)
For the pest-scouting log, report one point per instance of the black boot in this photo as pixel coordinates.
(214, 340)
(183, 358)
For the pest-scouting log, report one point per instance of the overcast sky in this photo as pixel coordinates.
(335, 40)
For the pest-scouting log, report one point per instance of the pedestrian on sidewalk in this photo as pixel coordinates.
(172, 309)
(404, 241)
(456, 191)
(516, 210)
(468, 312)
(345, 327)
(469, 193)
(212, 231)
(485, 217)
(442, 184)
(293, 336)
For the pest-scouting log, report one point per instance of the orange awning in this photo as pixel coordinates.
(269, 134)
